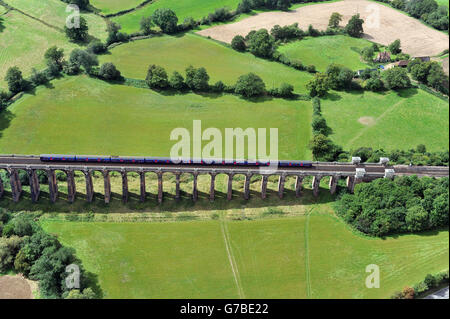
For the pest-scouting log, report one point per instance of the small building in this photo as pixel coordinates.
(383, 57)
(423, 58)
(403, 63)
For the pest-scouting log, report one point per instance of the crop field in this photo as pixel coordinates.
(113, 6)
(54, 12)
(184, 9)
(333, 49)
(389, 121)
(32, 34)
(222, 63)
(83, 115)
(314, 256)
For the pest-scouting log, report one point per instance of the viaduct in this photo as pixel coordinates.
(354, 172)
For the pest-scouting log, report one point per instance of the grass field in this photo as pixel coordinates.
(442, 2)
(222, 63)
(333, 49)
(113, 6)
(390, 120)
(313, 256)
(54, 13)
(83, 115)
(35, 39)
(187, 8)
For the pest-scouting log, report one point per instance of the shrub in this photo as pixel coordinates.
(197, 79)
(16, 83)
(156, 77)
(96, 47)
(165, 19)
(238, 43)
(176, 81)
(109, 72)
(249, 85)
(38, 77)
(261, 43)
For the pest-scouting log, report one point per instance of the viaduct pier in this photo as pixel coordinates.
(354, 172)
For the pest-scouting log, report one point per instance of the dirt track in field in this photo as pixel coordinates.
(416, 38)
(16, 287)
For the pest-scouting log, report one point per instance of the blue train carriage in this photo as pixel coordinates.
(57, 158)
(128, 159)
(93, 158)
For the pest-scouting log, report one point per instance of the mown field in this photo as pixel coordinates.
(222, 63)
(35, 39)
(333, 49)
(313, 256)
(82, 115)
(391, 120)
(183, 9)
(113, 6)
(54, 12)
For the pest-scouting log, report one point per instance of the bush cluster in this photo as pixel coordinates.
(27, 249)
(406, 204)
(431, 281)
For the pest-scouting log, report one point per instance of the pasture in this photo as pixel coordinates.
(184, 9)
(113, 6)
(32, 34)
(391, 120)
(312, 256)
(221, 62)
(54, 12)
(338, 49)
(83, 115)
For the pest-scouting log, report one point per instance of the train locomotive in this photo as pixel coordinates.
(164, 161)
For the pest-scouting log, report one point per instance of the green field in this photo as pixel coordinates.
(222, 63)
(186, 8)
(82, 115)
(442, 2)
(391, 120)
(333, 49)
(54, 12)
(113, 6)
(301, 257)
(32, 34)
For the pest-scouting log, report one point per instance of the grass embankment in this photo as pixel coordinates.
(265, 258)
(81, 115)
(391, 120)
(113, 6)
(338, 49)
(222, 63)
(184, 9)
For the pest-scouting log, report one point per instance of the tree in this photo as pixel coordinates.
(38, 78)
(16, 83)
(245, 6)
(156, 77)
(87, 293)
(286, 90)
(367, 54)
(146, 25)
(394, 47)
(374, 84)
(417, 8)
(114, 35)
(108, 71)
(83, 58)
(197, 79)
(408, 293)
(54, 59)
(396, 78)
(398, 4)
(238, 43)
(437, 78)
(335, 19)
(416, 218)
(96, 47)
(8, 250)
(4, 97)
(354, 27)
(250, 85)
(176, 81)
(319, 85)
(419, 71)
(323, 148)
(339, 76)
(78, 34)
(261, 43)
(165, 19)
